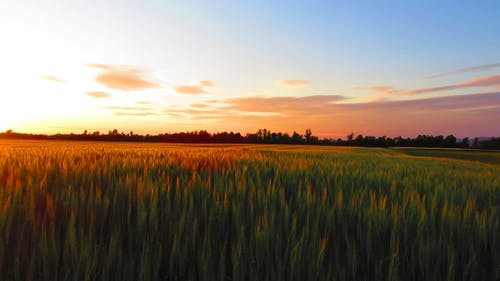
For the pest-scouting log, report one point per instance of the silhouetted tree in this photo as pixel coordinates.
(450, 141)
(359, 140)
(465, 142)
(266, 136)
(350, 137)
(297, 138)
(308, 135)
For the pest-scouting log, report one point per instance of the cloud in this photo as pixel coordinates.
(122, 78)
(486, 81)
(127, 113)
(194, 89)
(282, 105)
(189, 89)
(125, 110)
(337, 116)
(463, 115)
(101, 66)
(429, 90)
(207, 83)
(293, 83)
(198, 112)
(467, 69)
(445, 103)
(492, 81)
(199, 105)
(195, 113)
(427, 104)
(52, 78)
(377, 89)
(174, 115)
(125, 107)
(98, 94)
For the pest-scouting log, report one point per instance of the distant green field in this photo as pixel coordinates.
(136, 211)
(463, 154)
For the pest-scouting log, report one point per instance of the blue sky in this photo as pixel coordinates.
(60, 53)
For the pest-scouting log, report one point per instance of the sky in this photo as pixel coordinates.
(336, 67)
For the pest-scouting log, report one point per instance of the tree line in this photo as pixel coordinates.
(268, 137)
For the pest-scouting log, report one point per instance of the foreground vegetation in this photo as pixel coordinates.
(100, 211)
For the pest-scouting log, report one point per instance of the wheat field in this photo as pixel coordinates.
(135, 211)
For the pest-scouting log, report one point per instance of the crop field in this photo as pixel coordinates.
(453, 153)
(136, 211)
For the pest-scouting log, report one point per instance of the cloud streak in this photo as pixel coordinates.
(464, 115)
(189, 89)
(98, 94)
(386, 90)
(293, 83)
(492, 81)
(137, 114)
(467, 69)
(126, 110)
(334, 116)
(199, 105)
(207, 83)
(52, 78)
(195, 89)
(196, 113)
(122, 78)
(282, 105)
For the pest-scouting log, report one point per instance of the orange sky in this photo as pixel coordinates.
(157, 67)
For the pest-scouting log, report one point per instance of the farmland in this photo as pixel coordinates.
(463, 154)
(134, 211)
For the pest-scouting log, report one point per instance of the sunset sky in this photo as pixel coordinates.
(369, 67)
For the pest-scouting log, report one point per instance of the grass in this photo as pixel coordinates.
(102, 211)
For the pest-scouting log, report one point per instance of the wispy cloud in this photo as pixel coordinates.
(128, 110)
(282, 105)
(293, 83)
(140, 114)
(122, 78)
(387, 90)
(473, 114)
(429, 90)
(52, 78)
(207, 83)
(333, 115)
(199, 105)
(467, 69)
(98, 94)
(492, 81)
(486, 81)
(189, 89)
(193, 89)
(126, 107)
(314, 103)
(198, 113)
(213, 101)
